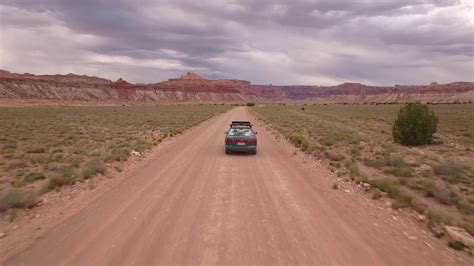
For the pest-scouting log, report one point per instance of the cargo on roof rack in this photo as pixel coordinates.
(240, 124)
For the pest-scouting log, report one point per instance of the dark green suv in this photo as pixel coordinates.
(241, 138)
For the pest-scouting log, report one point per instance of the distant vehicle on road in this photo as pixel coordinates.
(241, 138)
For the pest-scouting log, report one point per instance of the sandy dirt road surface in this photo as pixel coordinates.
(196, 205)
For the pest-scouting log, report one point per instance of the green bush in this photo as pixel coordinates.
(93, 167)
(456, 245)
(250, 104)
(16, 199)
(32, 176)
(300, 141)
(56, 181)
(87, 174)
(120, 154)
(387, 186)
(429, 187)
(415, 125)
(402, 201)
(141, 145)
(69, 175)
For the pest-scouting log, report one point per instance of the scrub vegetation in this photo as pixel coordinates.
(415, 125)
(436, 180)
(44, 148)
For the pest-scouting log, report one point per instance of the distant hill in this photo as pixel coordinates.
(191, 88)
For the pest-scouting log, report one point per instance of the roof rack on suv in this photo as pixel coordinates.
(241, 124)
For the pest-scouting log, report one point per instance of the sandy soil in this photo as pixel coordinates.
(189, 203)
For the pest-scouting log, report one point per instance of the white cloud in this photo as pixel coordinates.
(129, 61)
(280, 42)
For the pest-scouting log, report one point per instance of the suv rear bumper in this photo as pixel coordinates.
(235, 148)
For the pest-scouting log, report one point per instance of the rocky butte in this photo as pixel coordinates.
(192, 88)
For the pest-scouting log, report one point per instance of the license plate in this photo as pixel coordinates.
(241, 143)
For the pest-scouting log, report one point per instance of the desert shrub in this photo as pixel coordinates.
(334, 155)
(391, 164)
(444, 196)
(37, 150)
(355, 150)
(299, 141)
(429, 187)
(172, 132)
(93, 167)
(120, 154)
(250, 104)
(376, 194)
(399, 171)
(327, 142)
(17, 183)
(437, 218)
(58, 157)
(387, 186)
(87, 173)
(354, 170)
(57, 150)
(396, 161)
(69, 175)
(456, 245)
(375, 163)
(465, 207)
(415, 125)
(456, 198)
(21, 166)
(122, 144)
(397, 166)
(9, 146)
(79, 151)
(55, 181)
(402, 201)
(452, 171)
(141, 145)
(32, 176)
(408, 182)
(16, 199)
(418, 206)
(362, 178)
(163, 135)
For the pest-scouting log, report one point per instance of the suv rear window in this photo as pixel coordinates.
(246, 132)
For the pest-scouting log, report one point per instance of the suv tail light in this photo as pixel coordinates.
(229, 140)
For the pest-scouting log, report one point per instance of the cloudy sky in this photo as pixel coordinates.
(324, 42)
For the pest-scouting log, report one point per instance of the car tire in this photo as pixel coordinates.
(227, 151)
(254, 152)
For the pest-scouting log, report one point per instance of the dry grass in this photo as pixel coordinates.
(59, 146)
(421, 178)
(453, 171)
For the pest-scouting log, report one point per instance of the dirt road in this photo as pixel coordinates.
(196, 205)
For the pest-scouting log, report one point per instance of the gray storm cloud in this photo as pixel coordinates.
(279, 42)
